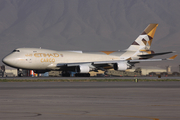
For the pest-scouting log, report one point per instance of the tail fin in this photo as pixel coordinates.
(143, 42)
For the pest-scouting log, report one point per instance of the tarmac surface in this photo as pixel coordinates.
(90, 100)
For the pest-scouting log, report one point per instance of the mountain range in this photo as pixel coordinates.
(89, 25)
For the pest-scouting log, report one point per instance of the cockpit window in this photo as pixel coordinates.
(16, 51)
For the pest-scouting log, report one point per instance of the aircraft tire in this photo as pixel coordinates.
(82, 75)
(20, 75)
(65, 74)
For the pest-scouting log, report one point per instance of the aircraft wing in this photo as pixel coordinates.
(154, 54)
(72, 64)
(134, 61)
(112, 62)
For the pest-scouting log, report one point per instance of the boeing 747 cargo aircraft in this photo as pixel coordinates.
(43, 60)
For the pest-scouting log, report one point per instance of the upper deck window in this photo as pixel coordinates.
(16, 51)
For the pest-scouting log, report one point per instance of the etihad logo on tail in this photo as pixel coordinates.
(143, 42)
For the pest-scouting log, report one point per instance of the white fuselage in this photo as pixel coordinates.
(44, 59)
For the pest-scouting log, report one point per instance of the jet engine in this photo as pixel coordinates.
(120, 66)
(82, 69)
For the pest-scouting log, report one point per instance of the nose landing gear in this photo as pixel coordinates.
(19, 72)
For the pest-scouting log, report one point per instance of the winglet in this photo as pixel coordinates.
(172, 58)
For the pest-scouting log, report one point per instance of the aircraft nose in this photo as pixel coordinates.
(7, 60)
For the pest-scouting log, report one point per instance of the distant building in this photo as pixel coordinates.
(10, 72)
(54, 73)
(99, 73)
(134, 72)
(145, 70)
(168, 69)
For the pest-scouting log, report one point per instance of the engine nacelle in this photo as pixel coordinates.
(120, 66)
(82, 69)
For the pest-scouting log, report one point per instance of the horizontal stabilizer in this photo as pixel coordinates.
(154, 54)
(172, 58)
(149, 60)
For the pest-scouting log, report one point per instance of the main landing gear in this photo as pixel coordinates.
(82, 75)
(65, 74)
(68, 74)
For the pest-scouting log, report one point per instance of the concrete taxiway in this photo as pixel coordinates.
(90, 100)
(80, 78)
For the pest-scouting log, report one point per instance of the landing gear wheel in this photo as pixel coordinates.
(20, 75)
(82, 75)
(65, 74)
(19, 72)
